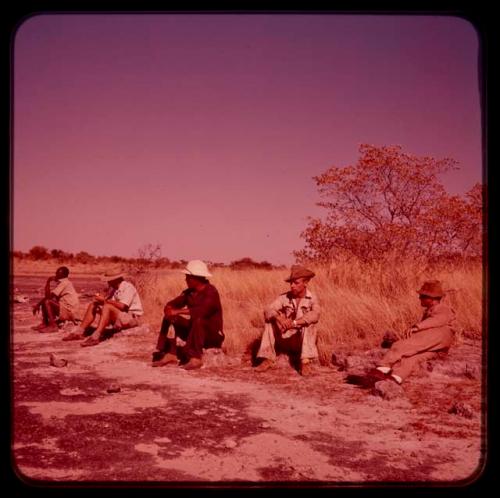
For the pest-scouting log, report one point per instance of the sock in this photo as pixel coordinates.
(398, 379)
(385, 370)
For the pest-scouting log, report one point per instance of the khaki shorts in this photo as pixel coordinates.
(127, 320)
(66, 314)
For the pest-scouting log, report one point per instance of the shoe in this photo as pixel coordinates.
(57, 362)
(265, 365)
(362, 381)
(306, 369)
(72, 336)
(39, 326)
(157, 355)
(193, 364)
(91, 341)
(393, 378)
(49, 328)
(375, 373)
(168, 359)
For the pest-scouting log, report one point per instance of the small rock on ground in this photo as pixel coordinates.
(387, 389)
(461, 409)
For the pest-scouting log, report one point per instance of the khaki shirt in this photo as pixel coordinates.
(307, 309)
(67, 295)
(128, 295)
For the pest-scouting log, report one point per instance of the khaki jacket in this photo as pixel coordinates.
(307, 309)
(437, 316)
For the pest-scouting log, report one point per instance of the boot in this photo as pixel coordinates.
(265, 365)
(193, 364)
(168, 359)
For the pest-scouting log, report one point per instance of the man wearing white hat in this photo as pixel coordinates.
(196, 318)
(121, 307)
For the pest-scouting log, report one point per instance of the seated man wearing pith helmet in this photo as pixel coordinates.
(192, 321)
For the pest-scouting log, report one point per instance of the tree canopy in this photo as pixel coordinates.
(391, 203)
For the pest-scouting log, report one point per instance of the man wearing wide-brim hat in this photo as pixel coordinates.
(432, 335)
(192, 321)
(121, 307)
(290, 324)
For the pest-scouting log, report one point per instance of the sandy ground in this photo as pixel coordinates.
(108, 416)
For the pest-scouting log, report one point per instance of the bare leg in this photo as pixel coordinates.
(89, 315)
(50, 310)
(109, 314)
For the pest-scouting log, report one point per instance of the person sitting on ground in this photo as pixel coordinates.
(196, 318)
(290, 323)
(60, 304)
(121, 308)
(432, 335)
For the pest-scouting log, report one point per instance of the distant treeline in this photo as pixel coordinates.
(149, 256)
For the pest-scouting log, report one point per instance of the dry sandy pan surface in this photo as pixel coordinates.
(225, 424)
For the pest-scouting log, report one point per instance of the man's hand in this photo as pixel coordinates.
(410, 331)
(173, 314)
(283, 323)
(168, 311)
(98, 298)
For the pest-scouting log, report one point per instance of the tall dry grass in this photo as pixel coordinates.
(359, 302)
(48, 267)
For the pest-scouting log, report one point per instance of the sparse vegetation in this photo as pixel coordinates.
(390, 226)
(359, 301)
(390, 206)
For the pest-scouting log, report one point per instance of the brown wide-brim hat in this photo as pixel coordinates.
(431, 288)
(298, 271)
(109, 276)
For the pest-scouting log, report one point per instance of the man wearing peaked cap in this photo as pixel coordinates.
(433, 334)
(121, 307)
(290, 324)
(192, 321)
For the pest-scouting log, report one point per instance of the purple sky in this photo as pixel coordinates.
(202, 132)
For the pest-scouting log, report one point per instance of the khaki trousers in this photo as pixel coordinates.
(406, 354)
(271, 340)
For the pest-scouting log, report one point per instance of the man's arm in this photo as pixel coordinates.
(206, 303)
(312, 316)
(176, 307)
(99, 299)
(439, 316)
(273, 313)
(274, 309)
(47, 295)
(47, 287)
